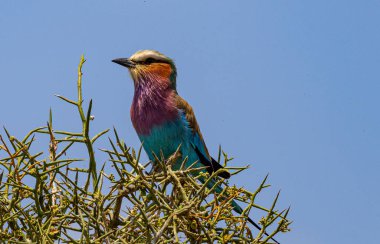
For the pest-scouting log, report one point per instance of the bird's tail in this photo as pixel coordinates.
(239, 210)
(236, 207)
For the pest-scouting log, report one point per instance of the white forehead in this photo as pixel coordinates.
(145, 54)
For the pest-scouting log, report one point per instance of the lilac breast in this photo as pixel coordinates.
(153, 105)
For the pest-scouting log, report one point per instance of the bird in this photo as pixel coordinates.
(163, 120)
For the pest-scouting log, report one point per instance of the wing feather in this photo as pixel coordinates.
(198, 142)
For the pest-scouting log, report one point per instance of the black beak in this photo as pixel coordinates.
(125, 62)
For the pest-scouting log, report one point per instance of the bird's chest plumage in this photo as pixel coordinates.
(158, 123)
(152, 105)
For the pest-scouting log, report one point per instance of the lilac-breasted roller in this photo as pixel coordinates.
(162, 119)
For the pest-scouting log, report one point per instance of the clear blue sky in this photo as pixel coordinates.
(291, 87)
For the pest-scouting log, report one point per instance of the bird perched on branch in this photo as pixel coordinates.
(162, 119)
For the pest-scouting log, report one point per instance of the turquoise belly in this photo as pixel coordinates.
(167, 138)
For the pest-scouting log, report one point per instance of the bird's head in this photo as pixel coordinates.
(150, 65)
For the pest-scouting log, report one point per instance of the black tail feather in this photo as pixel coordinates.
(259, 228)
(212, 166)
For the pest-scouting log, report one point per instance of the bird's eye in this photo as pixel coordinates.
(149, 60)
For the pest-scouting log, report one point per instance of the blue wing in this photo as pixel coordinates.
(197, 141)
